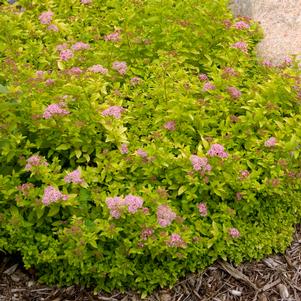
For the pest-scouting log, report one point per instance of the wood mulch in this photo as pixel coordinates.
(277, 277)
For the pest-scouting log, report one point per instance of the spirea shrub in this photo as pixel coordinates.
(141, 140)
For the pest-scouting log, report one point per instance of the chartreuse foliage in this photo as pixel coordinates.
(141, 140)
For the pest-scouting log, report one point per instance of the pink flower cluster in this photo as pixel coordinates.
(270, 142)
(133, 203)
(217, 150)
(287, 61)
(234, 232)
(35, 160)
(85, 1)
(52, 195)
(244, 174)
(98, 69)
(61, 47)
(175, 240)
(203, 209)
(54, 110)
(46, 17)
(228, 72)
(66, 54)
(140, 152)
(170, 125)
(49, 81)
(234, 92)
(241, 25)
(80, 46)
(113, 37)
(53, 27)
(203, 77)
(165, 215)
(120, 67)
(40, 73)
(146, 233)
(267, 63)
(124, 148)
(208, 86)
(241, 45)
(114, 111)
(116, 204)
(74, 71)
(200, 163)
(135, 81)
(24, 188)
(74, 177)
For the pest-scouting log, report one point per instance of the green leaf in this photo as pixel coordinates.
(54, 210)
(3, 89)
(78, 153)
(63, 147)
(182, 189)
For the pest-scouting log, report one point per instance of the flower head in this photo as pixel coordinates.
(267, 63)
(114, 111)
(170, 125)
(234, 92)
(113, 37)
(85, 1)
(234, 232)
(203, 77)
(146, 233)
(124, 148)
(52, 195)
(66, 54)
(120, 67)
(54, 110)
(61, 47)
(115, 205)
(208, 86)
(244, 174)
(175, 240)
(75, 71)
(80, 46)
(228, 72)
(135, 81)
(40, 73)
(25, 188)
(140, 152)
(53, 27)
(35, 160)
(133, 203)
(200, 163)
(270, 142)
(46, 17)
(227, 23)
(74, 177)
(165, 215)
(98, 69)
(49, 81)
(241, 45)
(217, 150)
(241, 25)
(203, 209)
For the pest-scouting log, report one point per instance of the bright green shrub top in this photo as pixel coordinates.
(141, 140)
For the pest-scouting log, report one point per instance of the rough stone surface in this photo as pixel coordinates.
(281, 22)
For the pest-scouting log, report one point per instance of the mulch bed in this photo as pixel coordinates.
(275, 278)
